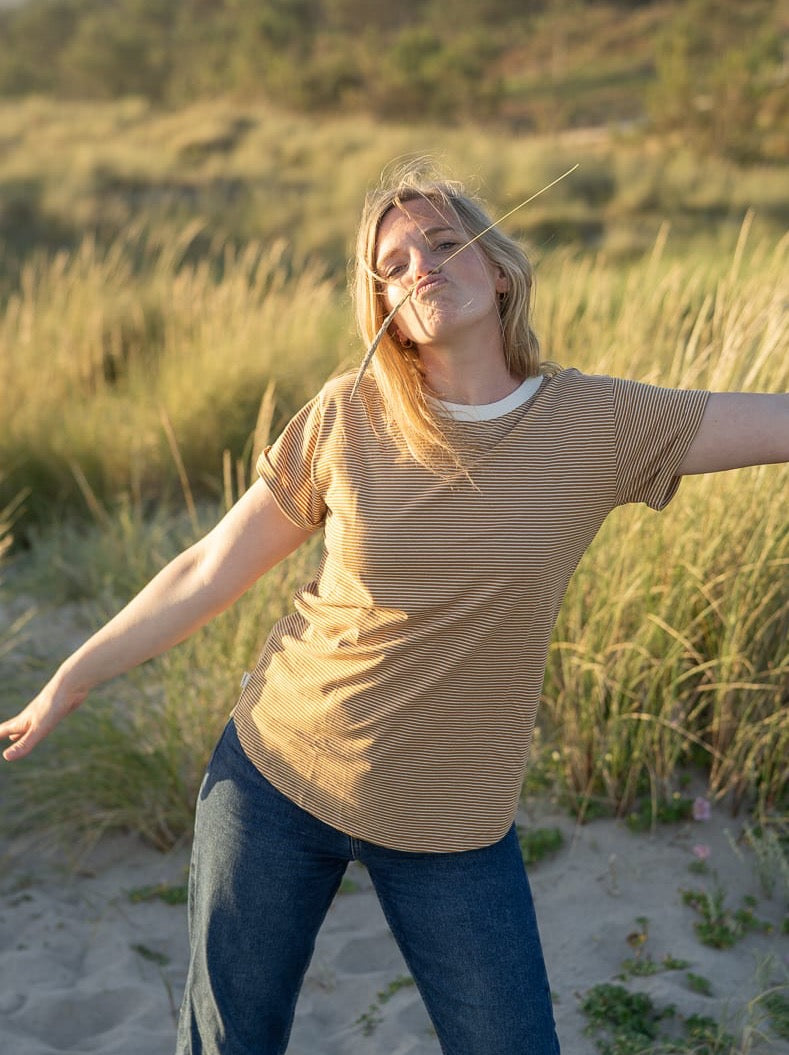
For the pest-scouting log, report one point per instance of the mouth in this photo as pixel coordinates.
(427, 284)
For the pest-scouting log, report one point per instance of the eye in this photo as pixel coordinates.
(446, 246)
(394, 270)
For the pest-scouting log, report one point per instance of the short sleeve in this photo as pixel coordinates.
(654, 430)
(288, 468)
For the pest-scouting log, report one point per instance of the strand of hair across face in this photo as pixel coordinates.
(385, 324)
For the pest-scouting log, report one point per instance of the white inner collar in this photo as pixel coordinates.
(489, 411)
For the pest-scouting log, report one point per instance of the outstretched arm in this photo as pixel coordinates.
(739, 429)
(198, 584)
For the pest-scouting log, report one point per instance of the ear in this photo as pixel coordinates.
(502, 282)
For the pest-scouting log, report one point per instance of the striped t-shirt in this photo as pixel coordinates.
(397, 701)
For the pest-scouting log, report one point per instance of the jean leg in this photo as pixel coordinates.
(466, 926)
(263, 875)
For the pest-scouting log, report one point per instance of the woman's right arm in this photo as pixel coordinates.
(200, 583)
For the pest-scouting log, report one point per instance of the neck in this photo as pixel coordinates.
(471, 376)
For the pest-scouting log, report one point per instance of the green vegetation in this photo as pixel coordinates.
(710, 71)
(697, 983)
(645, 966)
(135, 758)
(169, 893)
(719, 926)
(172, 290)
(372, 1017)
(538, 843)
(626, 1023)
(769, 843)
(642, 965)
(632, 1018)
(776, 1004)
(666, 811)
(160, 190)
(157, 361)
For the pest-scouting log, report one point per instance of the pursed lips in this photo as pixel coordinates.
(427, 284)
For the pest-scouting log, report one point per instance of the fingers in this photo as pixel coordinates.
(37, 720)
(16, 730)
(24, 731)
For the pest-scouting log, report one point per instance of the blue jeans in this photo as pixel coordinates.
(264, 872)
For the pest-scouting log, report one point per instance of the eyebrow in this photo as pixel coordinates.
(428, 232)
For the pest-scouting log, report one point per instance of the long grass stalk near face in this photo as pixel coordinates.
(367, 359)
(368, 355)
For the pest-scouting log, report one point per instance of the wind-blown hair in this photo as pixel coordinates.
(396, 367)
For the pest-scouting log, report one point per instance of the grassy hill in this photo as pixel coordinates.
(711, 70)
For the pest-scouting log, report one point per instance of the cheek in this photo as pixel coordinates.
(392, 295)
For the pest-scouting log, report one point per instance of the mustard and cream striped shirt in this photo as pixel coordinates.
(397, 701)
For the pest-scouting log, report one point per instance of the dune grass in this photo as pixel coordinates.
(100, 369)
(251, 171)
(682, 655)
(134, 757)
(123, 387)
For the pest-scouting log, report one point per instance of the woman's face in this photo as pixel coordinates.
(448, 296)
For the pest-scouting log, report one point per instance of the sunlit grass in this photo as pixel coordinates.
(251, 171)
(672, 643)
(99, 368)
(134, 757)
(121, 385)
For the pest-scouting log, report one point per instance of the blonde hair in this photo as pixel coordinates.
(395, 366)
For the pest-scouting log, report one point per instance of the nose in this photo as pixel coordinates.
(421, 263)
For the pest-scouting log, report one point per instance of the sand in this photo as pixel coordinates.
(84, 968)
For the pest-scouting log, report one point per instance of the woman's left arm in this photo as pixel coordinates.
(739, 429)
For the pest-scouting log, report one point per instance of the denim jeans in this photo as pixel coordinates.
(264, 873)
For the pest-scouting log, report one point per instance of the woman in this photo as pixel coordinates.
(389, 716)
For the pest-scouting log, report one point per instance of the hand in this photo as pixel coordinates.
(38, 719)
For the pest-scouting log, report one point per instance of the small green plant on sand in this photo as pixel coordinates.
(537, 843)
(622, 1022)
(372, 1017)
(642, 964)
(666, 811)
(719, 927)
(625, 1023)
(706, 1037)
(643, 967)
(777, 1004)
(769, 843)
(697, 983)
(169, 893)
(699, 868)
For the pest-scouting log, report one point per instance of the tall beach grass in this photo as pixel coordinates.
(101, 367)
(671, 647)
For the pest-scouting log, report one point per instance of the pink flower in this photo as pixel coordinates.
(701, 809)
(701, 851)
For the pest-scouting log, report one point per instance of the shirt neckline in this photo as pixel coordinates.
(489, 411)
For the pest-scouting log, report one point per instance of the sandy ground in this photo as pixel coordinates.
(84, 968)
